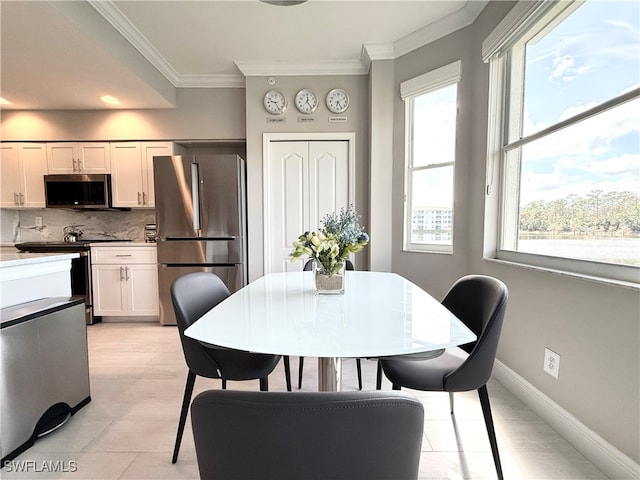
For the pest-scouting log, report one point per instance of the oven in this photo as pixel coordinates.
(81, 284)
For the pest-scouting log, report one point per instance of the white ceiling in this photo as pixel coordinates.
(64, 55)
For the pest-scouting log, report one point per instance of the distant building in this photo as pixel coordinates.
(431, 218)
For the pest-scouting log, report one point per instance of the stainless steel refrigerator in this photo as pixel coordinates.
(201, 221)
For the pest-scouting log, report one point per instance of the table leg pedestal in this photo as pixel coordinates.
(329, 374)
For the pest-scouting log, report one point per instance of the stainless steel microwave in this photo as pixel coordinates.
(82, 191)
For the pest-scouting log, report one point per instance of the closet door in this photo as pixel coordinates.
(305, 181)
(328, 179)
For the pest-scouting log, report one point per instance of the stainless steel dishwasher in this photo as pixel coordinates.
(44, 374)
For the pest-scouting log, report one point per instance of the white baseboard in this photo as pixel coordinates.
(614, 463)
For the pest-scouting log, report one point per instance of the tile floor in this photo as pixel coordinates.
(137, 381)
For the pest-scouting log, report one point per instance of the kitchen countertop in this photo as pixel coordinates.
(29, 276)
(15, 258)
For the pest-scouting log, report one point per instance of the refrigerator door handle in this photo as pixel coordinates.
(195, 197)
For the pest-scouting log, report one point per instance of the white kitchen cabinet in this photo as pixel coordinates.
(23, 166)
(76, 157)
(132, 168)
(125, 280)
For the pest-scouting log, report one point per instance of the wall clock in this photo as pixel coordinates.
(337, 100)
(275, 102)
(306, 101)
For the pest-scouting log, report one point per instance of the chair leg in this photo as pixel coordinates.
(188, 390)
(264, 384)
(379, 376)
(287, 371)
(451, 401)
(396, 387)
(300, 367)
(224, 384)
(488, 420)
(359, 367)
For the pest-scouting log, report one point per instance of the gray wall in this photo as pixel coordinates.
(593, 326)
(200, 114)
(436, 272)
(257, 124)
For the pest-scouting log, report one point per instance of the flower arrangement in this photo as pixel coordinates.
(340, 235)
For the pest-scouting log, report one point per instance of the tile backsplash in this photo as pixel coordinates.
(20, 225)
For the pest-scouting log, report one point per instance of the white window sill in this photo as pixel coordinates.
(438, 252)
(578, 276)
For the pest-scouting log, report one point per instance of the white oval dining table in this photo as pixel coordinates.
(380, 314)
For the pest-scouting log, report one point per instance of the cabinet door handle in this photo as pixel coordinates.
(121, 274)
(80, 164)
(123, 255)
(75, 165)
(144, 198)
(21, 195)
(16, 198)
(139, 199)
(126, 272)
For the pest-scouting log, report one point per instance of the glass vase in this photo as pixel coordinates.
(325, 283)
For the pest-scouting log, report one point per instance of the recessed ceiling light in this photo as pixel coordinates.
(110, 100)
(4, 101)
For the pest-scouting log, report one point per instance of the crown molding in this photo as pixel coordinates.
(211, 81)
(121, 23)
(376, 51)
(437, 30)
(370, 52)
(262, 69)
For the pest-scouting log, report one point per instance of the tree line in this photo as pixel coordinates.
(612, 213)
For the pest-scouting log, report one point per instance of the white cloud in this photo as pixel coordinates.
(622, 24)
(561, 65)
(588, 138)
(564, 68)
(628, 164)
(584, 157)
(556, 185)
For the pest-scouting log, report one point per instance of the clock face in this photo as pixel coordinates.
(337, 100)
(306, 101)
(274, 102)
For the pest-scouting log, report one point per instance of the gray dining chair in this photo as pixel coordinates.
(193, 295)
(304, 435)
(308, 266)
(479, 302)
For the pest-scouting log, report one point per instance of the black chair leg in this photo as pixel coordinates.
(188, 390)
(287, 371)
(488, 420)
(224, 384)
(379, 376)
(396, 387)
(264, 384)
(300, 367)
(359, 367)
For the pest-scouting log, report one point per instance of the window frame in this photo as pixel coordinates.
(410, 90)
(500, 50)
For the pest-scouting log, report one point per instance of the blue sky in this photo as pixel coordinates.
(593, 55)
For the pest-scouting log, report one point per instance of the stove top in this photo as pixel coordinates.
(54, 246)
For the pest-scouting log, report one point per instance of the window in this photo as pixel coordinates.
(566, 88)
(430, 123)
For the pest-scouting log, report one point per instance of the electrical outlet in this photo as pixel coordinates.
(551, 362)
(39, 222)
